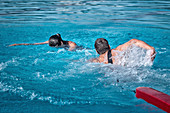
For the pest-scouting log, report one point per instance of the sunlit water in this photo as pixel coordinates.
(43, 79)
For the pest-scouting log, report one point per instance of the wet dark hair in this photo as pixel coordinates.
(101, 45)
(55, 40)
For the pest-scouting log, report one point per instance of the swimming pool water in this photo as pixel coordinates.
(43, 79)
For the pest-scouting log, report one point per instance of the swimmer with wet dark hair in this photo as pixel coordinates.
(54, 41)
(107, 54)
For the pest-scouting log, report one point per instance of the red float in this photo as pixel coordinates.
(152, 96)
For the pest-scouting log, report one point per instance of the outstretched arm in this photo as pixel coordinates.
(138, 43)
(46, 42)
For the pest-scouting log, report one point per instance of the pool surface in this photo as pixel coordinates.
(41, 79)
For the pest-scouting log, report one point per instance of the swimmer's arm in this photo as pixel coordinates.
(46, 42)
(72, 45)
(94, 60)
(138, 43)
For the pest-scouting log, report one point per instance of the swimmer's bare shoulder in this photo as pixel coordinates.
(72, 45)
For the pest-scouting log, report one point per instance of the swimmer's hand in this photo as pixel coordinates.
(152, 53)
(13, 45)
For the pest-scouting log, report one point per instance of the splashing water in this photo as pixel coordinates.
(134, 56)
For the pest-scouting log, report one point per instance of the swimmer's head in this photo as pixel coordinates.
(101, 46)
(55, 40)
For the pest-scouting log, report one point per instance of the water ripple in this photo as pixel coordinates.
(78, 11)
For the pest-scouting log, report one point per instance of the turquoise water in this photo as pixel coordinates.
(43, 79)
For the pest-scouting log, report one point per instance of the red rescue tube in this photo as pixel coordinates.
(152, 96)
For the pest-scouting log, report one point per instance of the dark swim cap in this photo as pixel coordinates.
(55, 40)
(101, 45)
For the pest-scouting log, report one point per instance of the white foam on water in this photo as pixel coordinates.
(53, 76)
(88, 52)
(162, 50)
(32, 95)
(50, 52)
(13, 61)
(3, 66)
(35, 61)
(61, 50)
